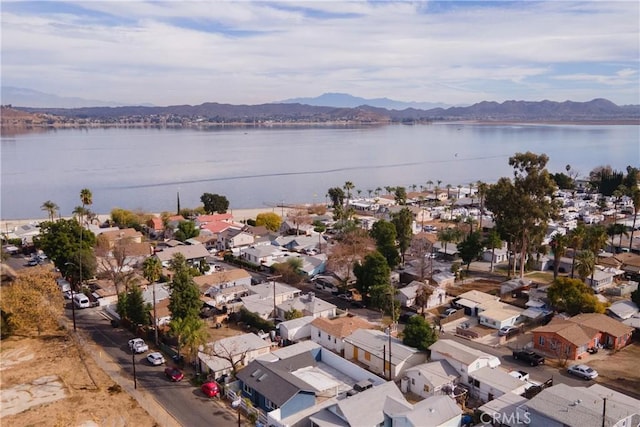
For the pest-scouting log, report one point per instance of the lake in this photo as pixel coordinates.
(145, 168)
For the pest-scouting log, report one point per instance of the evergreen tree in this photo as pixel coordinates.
(184, 300)
(419, 333)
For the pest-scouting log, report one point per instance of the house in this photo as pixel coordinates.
(291, 227)
(261, 255)
(295, 330)
(192, 253)
(381, 353)
(465, 360)
(292, 384)
(487, 383)
(475, 302)
(499, 255)
(224, 286)
(155, 226)
(234, 239)
(444, 279)
(429, 379)
(202, 220)
(216, 358)
(622, 310)
(308, 305)
(407, 295)
(126, 235)
(370, 408)
(499, 315)
(331, 333)
(264, 297)
(594, 406)
(572, 338)
(436, 411)
(601, 279)
(508, 410)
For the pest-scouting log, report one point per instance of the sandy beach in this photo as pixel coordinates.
(239, 215)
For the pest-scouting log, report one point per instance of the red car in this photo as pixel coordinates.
(210, 389)
(174, 374)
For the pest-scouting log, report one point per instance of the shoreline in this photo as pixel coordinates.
(239, 215)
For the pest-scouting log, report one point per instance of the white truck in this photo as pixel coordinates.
(138, 345)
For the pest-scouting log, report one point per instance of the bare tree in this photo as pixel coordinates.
(115, 262)
(353, 246)
(229, 350)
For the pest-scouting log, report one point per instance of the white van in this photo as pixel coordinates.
(81, 301)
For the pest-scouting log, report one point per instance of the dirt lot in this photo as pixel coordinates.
(482, 285)
(44, 383)
(620, 370)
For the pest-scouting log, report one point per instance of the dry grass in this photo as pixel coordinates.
(89, 397)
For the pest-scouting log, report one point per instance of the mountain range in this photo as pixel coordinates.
(349, 101)
(346, 110)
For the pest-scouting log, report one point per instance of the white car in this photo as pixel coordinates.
(138, 345)
(583, 371)
(155, 358)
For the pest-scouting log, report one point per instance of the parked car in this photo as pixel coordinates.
(533, 359)
(138, 345)
(507, 331)
(155, 358)
(210, 389)
(174, 373)
(448, 312)
(583, 371)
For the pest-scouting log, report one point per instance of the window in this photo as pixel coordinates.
(413, 381)
(367, 355)
(335, 340)
(329, 337)
(541, 340)
(426, 388)
(247, 389)
(270, 405)
(319, 334)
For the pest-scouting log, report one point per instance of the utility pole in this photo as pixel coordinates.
(273, 282)
(155, 314)
(604, 410)
(133, 361)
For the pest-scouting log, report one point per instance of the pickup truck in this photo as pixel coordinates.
(533, 359)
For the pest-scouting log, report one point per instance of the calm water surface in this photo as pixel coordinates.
(254, 167)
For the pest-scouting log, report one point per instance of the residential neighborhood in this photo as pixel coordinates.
(294, 329)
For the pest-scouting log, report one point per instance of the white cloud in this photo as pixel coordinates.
(244, 52)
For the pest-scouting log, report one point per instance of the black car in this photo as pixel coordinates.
(533, 359)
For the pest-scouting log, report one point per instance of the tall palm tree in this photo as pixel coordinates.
(448, 186)
(576, 240)
(152, 270)
(378, 190)
(429, 185)
(51, 208)
(86, 197)
(459, 188)
(559, 244)
(635, 198)
(348, 186)
(482, 190)
(595, 241)
(190, 332)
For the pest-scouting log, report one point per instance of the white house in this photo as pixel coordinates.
(308, 305)
(434, 411)
(264, 297)
(431, 378)
(295, 330)
(374, 348)
(488, 383)
(463, 359)
(216, 357)
(331, 333)
(407, 295)
(500, 315)
(261, 254)
(475, 302)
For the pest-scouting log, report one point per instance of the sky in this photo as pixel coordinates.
(246, 52)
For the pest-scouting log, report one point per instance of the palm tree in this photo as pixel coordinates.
(378, 190)
(51, 208)
(635, 198)
(559, 244)
(152, 270)
(586, 264)
(348, 186)
(448, 191)
(459, 188)
(369, 191)
(595, 241)
(576, 240)
(413, 187)
(190, 332)
(482, 190)
(429, 185)
(87, 200)
(449, 235)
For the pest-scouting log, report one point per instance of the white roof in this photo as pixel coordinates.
(501, 313)
(498, 379)
(375, 341)
(462, 353)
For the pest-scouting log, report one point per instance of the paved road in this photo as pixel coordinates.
(183, 401)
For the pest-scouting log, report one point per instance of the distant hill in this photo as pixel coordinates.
(597, 110)
(21, 97)
(350, 101)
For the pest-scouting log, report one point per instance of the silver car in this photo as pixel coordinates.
(155, 358)
(583, 371)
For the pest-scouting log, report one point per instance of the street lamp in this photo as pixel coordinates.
(73, 304)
